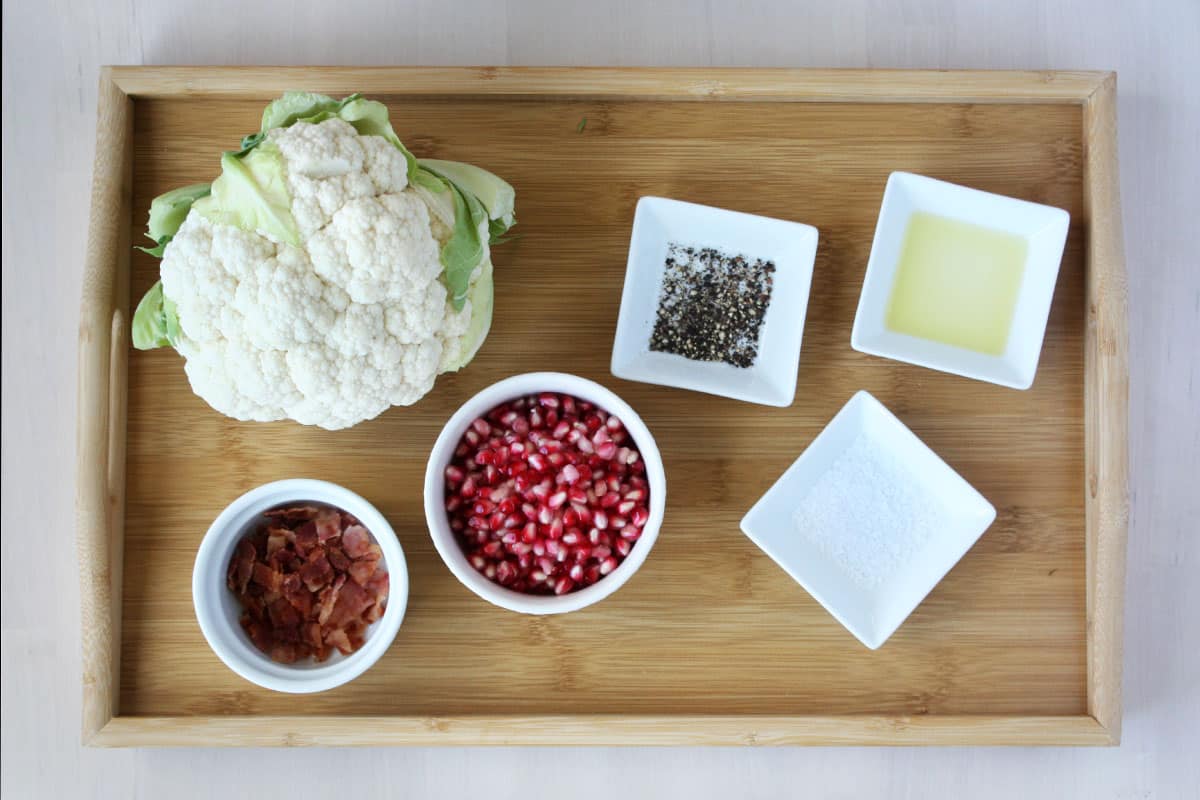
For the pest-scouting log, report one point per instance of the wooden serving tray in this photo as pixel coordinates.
(710, 642)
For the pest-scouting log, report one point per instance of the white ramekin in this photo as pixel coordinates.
(218, 610)
(509, 389)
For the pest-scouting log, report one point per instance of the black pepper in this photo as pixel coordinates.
(712, 305)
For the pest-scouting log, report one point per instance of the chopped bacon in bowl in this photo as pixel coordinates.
(310, 580)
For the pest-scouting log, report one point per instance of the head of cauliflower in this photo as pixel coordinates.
(311, 283)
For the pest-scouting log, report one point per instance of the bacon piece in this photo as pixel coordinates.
(379, 585)
(338, 638)
(351, 602)
(293, 514)
(356, 541)
(306, 538)
(277, 539)
(329, 525)
(317, 573)
(337, 558)
(270, 579)
(328, 597)
(298, 595)
(241, 566)
(362, 570)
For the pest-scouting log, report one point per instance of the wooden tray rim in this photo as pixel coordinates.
(103, 355)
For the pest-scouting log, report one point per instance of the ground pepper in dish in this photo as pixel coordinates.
(712, 305)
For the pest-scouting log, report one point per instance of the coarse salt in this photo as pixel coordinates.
(868, 512)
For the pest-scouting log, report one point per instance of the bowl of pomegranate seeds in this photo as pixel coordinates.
(544, 493)
(300, 585)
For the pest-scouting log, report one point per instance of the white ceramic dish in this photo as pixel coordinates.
(872, 612)
(218, 610)
(435, 488)
(658, 223)
(1044, 229)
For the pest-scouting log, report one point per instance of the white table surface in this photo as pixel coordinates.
(52, 49)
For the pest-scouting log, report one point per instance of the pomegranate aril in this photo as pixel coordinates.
(623, 546)
(467, 490)
(563, 585)
(608, 565)
(507, 505)
(569, 517)
(545, 514)
(561, 429)
(521, 549)
(571, 537)
(600, 552)
(556, 459)
(585, 445)
(640, 516)
(477, 561)
(492, 548)
(600, 520)
(454, 474)
(610, 499)
(556, 500)
(606, 450)
(529, 532)
(576, 572)
(453, 502)
(591, 574)
(635, 494)
(512, 537)
(592, 421)
(631, 533)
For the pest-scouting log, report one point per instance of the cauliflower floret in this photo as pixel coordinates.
(329, 165)
(335, 332)
(378, 248)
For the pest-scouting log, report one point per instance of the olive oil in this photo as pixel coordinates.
(957, 283)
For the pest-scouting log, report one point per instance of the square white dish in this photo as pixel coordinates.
(658, 223)
(870, 581)
(1044, 230)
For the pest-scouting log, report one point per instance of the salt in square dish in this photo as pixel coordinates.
(868, 519)
(657, 224)
(1042, 228)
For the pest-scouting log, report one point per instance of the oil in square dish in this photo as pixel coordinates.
(960, 280)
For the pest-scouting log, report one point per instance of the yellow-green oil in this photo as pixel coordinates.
(957, 283)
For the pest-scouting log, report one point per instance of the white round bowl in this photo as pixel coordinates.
(435, 489)
(218, 610)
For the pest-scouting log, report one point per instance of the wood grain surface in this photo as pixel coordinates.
(51, 54)
(709, 625)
